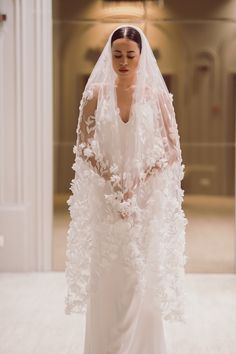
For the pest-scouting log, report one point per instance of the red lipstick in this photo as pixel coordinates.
(123, 70)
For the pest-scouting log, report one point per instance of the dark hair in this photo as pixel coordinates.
(127, 32)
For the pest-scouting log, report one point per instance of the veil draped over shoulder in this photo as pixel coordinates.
(111, 158)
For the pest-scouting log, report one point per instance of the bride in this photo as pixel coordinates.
(126, 238)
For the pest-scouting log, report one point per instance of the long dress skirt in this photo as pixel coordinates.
(120, 321)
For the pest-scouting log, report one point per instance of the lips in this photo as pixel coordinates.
(123, 70)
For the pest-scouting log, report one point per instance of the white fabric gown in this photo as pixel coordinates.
(120, 320)
(126, 273)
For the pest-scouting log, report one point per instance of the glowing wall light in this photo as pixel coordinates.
(159, 2)
(127, 9)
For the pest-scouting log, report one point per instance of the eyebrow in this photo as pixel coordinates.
(129, 51)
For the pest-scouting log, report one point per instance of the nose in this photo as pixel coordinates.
(124, 61)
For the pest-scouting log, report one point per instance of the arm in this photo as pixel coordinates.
(169, 133)
(86, 144)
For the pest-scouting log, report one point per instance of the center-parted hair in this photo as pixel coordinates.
(129, 33)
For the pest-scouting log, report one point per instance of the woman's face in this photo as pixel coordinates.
(125, 57)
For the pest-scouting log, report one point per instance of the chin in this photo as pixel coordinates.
(125, 74)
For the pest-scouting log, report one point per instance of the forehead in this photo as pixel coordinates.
(124, 44)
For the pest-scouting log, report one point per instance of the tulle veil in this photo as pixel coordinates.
(152, 238)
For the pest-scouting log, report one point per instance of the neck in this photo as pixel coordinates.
(125, 82)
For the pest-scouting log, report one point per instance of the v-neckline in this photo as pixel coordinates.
(118, 109)
(120, 118)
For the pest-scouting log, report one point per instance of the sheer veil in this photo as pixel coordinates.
(113, 157)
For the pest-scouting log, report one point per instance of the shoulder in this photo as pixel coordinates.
(90, 92)
(95, 90)
(88, 103)
(159, 93)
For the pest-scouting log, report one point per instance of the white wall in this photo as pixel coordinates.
(25, 135)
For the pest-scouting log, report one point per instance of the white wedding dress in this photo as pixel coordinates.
(126, 275)
(121, 322)
(118, 320)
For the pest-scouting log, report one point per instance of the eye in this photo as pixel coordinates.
(131, 57)
(117, 56)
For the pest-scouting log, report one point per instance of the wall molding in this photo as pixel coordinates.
(26, 198)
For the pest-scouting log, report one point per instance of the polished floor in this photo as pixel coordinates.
(32, 319)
